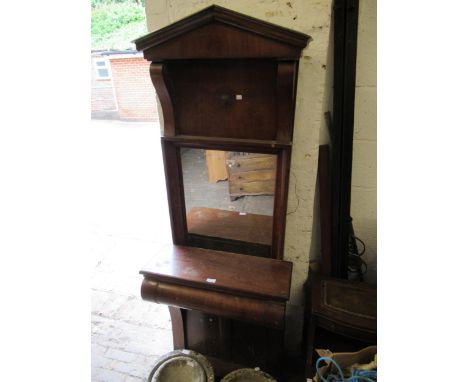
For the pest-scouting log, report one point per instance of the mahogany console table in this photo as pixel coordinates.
(227, 82)
(248, 288)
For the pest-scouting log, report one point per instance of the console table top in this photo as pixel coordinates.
(233, 273)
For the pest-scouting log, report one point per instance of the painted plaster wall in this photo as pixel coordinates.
(313, 18)
(364, 178)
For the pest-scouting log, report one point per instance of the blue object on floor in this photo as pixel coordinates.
(357, 375)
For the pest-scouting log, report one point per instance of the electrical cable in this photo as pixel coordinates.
(355, 262)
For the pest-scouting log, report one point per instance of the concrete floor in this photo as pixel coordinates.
(129, 224)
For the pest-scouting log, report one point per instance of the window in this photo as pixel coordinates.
(102, 69)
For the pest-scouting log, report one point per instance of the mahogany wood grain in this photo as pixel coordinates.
(175, 191)
(285, 100)
(157, 77)
(232, 344)
(265, 346)
(220, 41)
(352, 304)
(226, 81)
(281, 200)
(178, 332)
(203, 332)
(325, 209)
(240, 275)
(205, 92)
(219, 33)
(212, 222)
(267, 313)
(221, 143)
(340, 314)
(228, 245)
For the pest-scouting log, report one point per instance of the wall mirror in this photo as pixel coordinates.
(226, 83)
(229, 198)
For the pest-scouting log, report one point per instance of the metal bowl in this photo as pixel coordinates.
(182, 366)
(248, 375)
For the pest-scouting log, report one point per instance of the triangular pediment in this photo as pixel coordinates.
(217, 32)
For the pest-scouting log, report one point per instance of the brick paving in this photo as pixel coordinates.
(128, 334)
(129, 225)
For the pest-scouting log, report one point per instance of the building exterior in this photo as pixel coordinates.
(121, 87)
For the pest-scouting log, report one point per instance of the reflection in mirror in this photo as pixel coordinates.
(229, 195)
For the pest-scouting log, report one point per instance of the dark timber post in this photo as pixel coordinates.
(344, 80)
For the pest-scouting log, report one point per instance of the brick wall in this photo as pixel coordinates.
(103, 102)
(135, 93)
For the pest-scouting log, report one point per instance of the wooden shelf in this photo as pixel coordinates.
(240, 275)
(233, 144)
(241, 287)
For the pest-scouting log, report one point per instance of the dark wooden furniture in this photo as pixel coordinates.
(340, 314)
(341, 128)
(345, 307)
(225, 81)
(220, 283)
